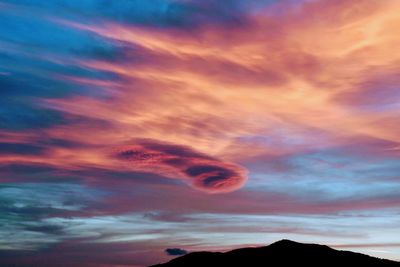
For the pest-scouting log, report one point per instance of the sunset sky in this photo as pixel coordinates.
(135, 129)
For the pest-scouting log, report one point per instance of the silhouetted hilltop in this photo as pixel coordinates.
(281, 253)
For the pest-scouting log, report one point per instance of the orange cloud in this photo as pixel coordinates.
(276, 85)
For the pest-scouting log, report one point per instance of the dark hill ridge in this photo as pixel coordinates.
(281, 253)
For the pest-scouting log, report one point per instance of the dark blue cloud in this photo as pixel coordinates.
(21, 149)
(175, 251)
(21, 92)
(31, 211)
(19, 116)
(18, 168)
(45, 229)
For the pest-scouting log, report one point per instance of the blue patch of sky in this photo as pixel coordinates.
(331, 175)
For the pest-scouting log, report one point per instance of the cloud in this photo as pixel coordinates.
(157, 13)
(175, 251)
(258, 94)
(176, 161)
(107, 100)
(267, 93)
(47, 229)
(24, 149)
(371, 245)
(25, 207)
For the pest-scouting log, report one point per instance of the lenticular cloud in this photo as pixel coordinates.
(201, 171)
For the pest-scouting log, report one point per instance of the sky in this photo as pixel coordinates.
(133, 131)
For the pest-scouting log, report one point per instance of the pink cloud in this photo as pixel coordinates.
(201, 171)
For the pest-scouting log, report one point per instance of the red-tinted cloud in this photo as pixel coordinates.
(175, 161)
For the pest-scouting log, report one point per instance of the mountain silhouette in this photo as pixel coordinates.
(281, 253)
